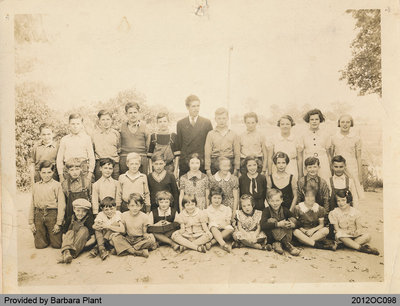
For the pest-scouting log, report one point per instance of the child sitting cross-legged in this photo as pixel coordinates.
(107, 225)
(278, 222)
(219, 219)
(346, 222)
(162, 219)
(80, 232)
(311, 230)
(248, 232)
(194, 233)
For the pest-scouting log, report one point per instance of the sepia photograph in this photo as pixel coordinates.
(197, 143)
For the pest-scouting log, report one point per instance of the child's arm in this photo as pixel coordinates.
(60, 160)
(181, 194)
(207, 200)
(175, 194)
(311, 231)
(294, 190)
(146, 195)
(118, 198)
(300, 195)
(270, 156)
(325, 192)
(60, 209)
(207, 154)
(300, 161)
(205, 227)
(236, 154)
(91, 158)
(359, 161)
(176, 166)
(95, 199)
(235, 203)
(92, 240)
(31, 219)
(265, 165)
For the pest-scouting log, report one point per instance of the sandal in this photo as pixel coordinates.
(208, 246)
(181, 249)
(176, 247)
(226, 248)
(201, 249)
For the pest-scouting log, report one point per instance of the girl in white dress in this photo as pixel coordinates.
(348, 144)
(317, 143)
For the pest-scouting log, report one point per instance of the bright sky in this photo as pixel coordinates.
(282, 54)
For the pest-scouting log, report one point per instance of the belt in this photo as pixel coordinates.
(45, 209)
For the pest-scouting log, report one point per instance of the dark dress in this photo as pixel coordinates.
(259, 195)
(287, 192)
(168, 183)
(164, 229)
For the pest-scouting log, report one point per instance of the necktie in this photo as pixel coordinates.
(192, 122)
(253, 186)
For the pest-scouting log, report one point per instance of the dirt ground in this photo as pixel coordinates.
(40, 268)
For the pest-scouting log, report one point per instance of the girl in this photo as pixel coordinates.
(159, 180)
(278, 222)
(229, 184)
(194, 233)
(287, 143)
(283, 181)
(346, 222)
(316, 143)
(194, 182)
(253, 183)
(348, 144)
(219, 219)
(162, 219)
(310, 216)
(166, 144)
(248, 231)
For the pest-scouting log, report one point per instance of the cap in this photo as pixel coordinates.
(81, 203)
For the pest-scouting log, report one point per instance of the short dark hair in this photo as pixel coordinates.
(195, 155)
(314, 111)
(188, 198)
(273, 192)
(344, 193)
(351, 120)
(245, 197)
(288, 118)
(130, 105)
(46, 164)
(311, 161)
(103, 112)
(249, 158)
(164, 195)
(191, 99)
(216, 190)
(107, 202)
(45, 126)
(162, 115)
(338, 159)
(250, 115)
(280, 155)
(137, 198)
(105, 161)
(75, 116)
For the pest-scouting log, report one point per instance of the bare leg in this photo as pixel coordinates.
(203, 239)
(320, 234)
(350, 243)
(251, 244)
(165, 239)
(220, 235)
(363, 239)
(303, 238)
(178, 238)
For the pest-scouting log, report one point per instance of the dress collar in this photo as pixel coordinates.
(305, 209)
(341, 136)
(185, 213)
(194, 174)
(164, 214)
(218, 178)
(49, 145)
(290, 138)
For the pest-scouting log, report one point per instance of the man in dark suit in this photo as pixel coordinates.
(192, 133)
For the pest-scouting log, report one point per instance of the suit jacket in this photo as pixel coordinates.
(191, 139)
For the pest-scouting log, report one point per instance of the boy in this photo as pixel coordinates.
(76, 186)
(46, 149)
(105, 186)
(106, 225)
(132, 182)
(106, 144)
(340, 181)
(278, 223)
(137, 241)
(80, 232)
(312, 180)
(221, 142)
(47, 209)
(252, 143)
(77, 144)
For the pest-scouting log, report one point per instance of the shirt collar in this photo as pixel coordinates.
(309, 178)
(221, 207)
(341, 136)
(76, 179)
(138, 123)
(342, 177)
(103, 179)
(223, 133)
(51, 144)
(250, 177)
(164, 214)
(218, 178)
(41, 181)
(289, 138)
(195, 174)
(185, 213)
(133, 177)
(305, 209)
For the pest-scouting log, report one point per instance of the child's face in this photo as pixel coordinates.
(309, 198)
(46, 135)
(75, 125)
(285, 125)
(314, 121)
(338, 168)
(216, 200)
(109, 211)
(225, 165)
(190, 207)
(345, 123)
(222, 120)
(162, 124)
(105, 121)
(164, 204)
(281, 164)
(194, 164)
(107, 170)
(46, 174)
(74, 172)
(133, 165)
(158, 166)
(246, 206)
(312, 169)
(194, 108)
(275, 202)
(341, 202)
(134, 208)
(80, 213)
(133, 115)
(251, 124)
(252, 166)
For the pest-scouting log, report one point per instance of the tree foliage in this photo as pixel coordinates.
(363, 72)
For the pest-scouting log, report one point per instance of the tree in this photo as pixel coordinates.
(363, 72)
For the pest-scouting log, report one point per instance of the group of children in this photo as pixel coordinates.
(234, 199)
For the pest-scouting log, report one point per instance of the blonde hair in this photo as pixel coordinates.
(132, 156)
